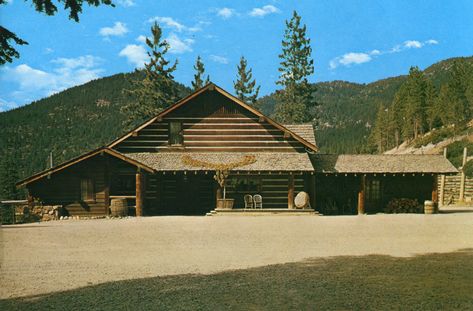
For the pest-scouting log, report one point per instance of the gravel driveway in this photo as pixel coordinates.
(60, 255)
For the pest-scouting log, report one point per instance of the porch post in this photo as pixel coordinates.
(462, 177)
(442, 182)
(139, 193)
(290, 192)
(361, 196)
(106, 190)
(312, 191)
(435, 190)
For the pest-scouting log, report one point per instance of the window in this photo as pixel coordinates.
(373, 191)
(87, 189)
(175, 133)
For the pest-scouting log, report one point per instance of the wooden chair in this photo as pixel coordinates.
(258, 199)
(248, 201)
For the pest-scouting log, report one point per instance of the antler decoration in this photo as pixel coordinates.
(221, 169)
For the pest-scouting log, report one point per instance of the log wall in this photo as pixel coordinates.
(452, 189)
(63, 187)
(212, 122)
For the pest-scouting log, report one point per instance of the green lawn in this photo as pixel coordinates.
(427, 282)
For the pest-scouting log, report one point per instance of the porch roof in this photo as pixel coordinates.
(172, 161)
(382, 163)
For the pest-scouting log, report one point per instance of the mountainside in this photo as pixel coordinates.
(67, 124)
(88, 116)
(348, 110)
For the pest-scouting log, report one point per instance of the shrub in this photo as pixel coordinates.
(403, 205)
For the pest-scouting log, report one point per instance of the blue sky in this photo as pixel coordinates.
(358, 41)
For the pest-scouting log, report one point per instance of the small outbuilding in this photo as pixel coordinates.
(365, 183)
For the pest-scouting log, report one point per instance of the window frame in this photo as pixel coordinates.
(179, 134)
(89, 191)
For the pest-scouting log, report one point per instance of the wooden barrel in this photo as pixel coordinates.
(118, 207)
(429, 207)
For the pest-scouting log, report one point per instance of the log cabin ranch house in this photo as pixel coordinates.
(147, 167)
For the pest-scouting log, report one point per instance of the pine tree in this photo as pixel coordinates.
(379, 134)
(296, 99)
(157, 90)
(200, 70)
(8, 176)
(397, 118)
(431, 104)
(414, 109)
(244, 87)
(458, 85)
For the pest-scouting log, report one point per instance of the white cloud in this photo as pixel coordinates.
(178, 45)
(168, 22)
(219, 59)
(126, 3)
(48, 51)
(118, 29)
(375, 52)
(431, 42)
(135, 54)
(265, 10)
(412, 44)
(141, 39)
(35, 83)
(7, 105)
(351, 58)
(225, 13)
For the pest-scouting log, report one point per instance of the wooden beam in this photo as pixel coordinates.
(290, 192)
(361, 196)
(139, 194)
(461, 198)
(312, 191)
(442, 182)
(106, 190)
(435, 190)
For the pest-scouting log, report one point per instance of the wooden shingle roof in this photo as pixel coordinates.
(173, 161)
(305, 131)
(382, 163)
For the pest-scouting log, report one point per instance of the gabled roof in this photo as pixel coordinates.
(382, 163)
(85, 156)
(212, 87)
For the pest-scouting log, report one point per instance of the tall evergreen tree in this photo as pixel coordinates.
(157, 90)
(244, 86)
(431, 104)
(8, 176)
(414, 109)
(379, 134)
(198, 77)
(296, 99)
(458, 85)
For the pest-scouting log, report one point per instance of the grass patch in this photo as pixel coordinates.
(426, 282)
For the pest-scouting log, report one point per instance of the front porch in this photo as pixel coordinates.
(197, 193)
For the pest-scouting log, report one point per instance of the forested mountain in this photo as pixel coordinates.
(88, 116)
(67, 124)
(347, 111)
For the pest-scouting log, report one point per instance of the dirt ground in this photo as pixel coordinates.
(55, 256)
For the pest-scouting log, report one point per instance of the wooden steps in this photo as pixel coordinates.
(263, 212)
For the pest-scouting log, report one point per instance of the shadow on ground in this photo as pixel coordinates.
(424, 282)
